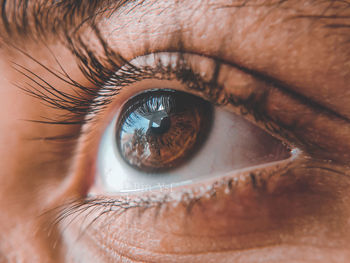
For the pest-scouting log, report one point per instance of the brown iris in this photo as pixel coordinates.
(159, 130)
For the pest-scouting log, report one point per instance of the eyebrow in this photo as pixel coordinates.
(41, 18)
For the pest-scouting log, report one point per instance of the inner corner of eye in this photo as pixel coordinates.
(168, 137)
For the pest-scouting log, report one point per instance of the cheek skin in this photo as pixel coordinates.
(20, 198)
(32, 169)
(301, 208)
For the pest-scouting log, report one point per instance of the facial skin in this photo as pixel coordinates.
(297, 211)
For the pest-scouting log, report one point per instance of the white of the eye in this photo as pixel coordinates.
(233, 144)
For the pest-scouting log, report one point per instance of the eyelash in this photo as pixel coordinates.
(91, 101)
(69, 211)
(111, 69)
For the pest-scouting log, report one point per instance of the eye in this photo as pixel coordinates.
(162, 136)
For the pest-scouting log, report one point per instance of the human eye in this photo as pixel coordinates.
(164, 136)
(174, 131)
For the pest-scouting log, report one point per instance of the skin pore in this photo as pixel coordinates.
(293, 55)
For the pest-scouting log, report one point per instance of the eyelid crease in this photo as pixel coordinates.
(281, 85)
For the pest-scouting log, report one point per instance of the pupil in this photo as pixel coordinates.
(160, 124)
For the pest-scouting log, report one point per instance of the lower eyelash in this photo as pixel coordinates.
(116, 207)
(112, 208)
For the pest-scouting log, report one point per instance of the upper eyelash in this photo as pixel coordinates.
(109, 69)
(76, 106)
(91, 100)
(110, 72)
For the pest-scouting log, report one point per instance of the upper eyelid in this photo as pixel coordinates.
(90, 98)
(116, 61)
(263, 78)
(181, 70)
(110, 63)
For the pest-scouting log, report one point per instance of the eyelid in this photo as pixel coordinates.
(240, 91)
(222, 84)
(188, 72)
(259, 101)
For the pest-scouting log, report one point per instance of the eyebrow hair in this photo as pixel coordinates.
(40, 18)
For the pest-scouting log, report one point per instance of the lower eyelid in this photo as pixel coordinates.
(85, 168)
(264, 210)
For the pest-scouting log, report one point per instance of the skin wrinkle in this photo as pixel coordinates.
(289, 18)
(65, 11)
(333, 112)
(322, 214)
(111, 218)
(166, 256)
(294, 87)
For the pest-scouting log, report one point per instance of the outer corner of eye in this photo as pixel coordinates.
(170, 138)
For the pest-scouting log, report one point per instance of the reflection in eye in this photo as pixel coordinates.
(160, 129)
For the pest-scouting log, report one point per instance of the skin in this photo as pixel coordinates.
(297, 211)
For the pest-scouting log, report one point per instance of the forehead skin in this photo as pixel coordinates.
(303, 44)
